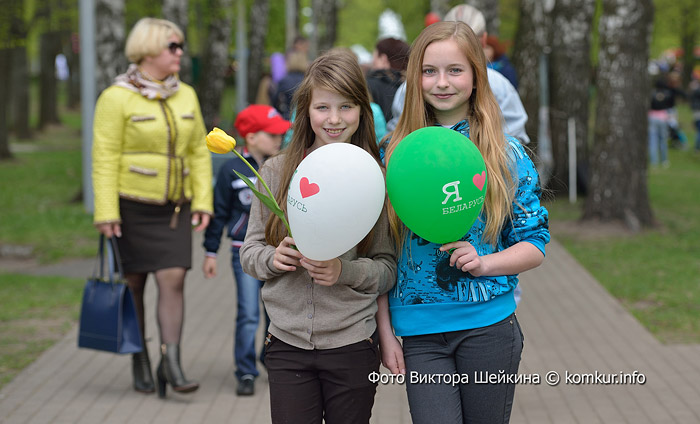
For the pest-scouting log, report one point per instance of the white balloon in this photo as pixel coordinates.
(335, 197)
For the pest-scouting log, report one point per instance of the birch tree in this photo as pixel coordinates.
(325, 22)
(176, 12)
(441, 7)
(110, 35)
(5, 66)
(570, 80)
(491, 14)
(531, 42)
(215, 60)
(19, 72)
(49, 47)
(618, 185)
(329, 19)
(259, 16)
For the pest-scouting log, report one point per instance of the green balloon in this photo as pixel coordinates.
(436, 180)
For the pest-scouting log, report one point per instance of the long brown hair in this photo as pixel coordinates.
(484, 116)
(339, 72)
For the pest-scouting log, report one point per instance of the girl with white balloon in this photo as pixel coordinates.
(321, 284)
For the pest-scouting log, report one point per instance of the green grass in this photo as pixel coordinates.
(35, 313)
(655, 274)
(40, 198)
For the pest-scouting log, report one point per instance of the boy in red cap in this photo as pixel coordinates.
(262, 128)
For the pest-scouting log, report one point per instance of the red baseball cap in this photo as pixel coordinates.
(256, 118)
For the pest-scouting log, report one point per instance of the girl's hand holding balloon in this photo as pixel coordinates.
(464, 256)
(286, 256)
(325, 273)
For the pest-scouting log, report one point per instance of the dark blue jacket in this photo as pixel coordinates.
(232, 199)
(282, 99)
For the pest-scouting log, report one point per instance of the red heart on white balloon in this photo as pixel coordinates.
(308, 189)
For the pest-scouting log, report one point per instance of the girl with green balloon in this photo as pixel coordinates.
(466, 213)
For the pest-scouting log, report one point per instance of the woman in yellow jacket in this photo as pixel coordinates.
(152, 179)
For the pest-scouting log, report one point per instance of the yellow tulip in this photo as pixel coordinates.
(220, 142)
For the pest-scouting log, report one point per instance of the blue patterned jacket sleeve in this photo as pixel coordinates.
(530, 219)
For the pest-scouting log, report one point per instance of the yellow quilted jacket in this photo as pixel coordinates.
(150, 151)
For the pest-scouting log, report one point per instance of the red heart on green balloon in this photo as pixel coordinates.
(479, 180)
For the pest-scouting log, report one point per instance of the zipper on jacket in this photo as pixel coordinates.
(179, 178)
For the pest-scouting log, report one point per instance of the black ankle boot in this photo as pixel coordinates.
(170, 371)
(141, 370)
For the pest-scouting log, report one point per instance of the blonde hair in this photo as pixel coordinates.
(336, 71)
(149, 37)
(483, 115)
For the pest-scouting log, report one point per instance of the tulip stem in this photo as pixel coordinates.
(269, 192)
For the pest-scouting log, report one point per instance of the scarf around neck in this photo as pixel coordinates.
(135, 79)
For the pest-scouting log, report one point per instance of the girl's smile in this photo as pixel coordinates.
(334, 118)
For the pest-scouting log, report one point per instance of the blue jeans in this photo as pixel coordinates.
(494, 349)
(697, 135)
(658, 137)
(247, 318)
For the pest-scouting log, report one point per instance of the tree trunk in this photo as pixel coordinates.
(259, 16)
(5, 64)
(441, 7)
(176, 11)
(316, 7)
(618, 185)
(291, 22)
(329, 19)
(530, 43)
(570, 67)
(215, 61)
(689, 33)
(74, 66)
(490, 10)
(20, 93)
(49, 47)
(19, 74)
(324, 20)
(109, 42)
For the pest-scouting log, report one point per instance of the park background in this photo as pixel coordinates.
(635, 228)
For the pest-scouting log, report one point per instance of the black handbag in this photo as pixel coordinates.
(108, 319)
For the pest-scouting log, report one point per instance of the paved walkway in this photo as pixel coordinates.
(571, 325)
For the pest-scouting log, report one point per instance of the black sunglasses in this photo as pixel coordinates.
(174, 46)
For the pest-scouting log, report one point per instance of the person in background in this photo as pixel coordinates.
(301, 45)
(695, 107)
(497, 59)
(677, 136)
(296, 68)
(262, 128)
(662, 102)
(151, 173)
(389, 61)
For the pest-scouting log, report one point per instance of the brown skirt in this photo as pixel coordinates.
(148, 243)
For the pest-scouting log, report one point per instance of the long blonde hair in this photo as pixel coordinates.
(484, 117)
(336, 71)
